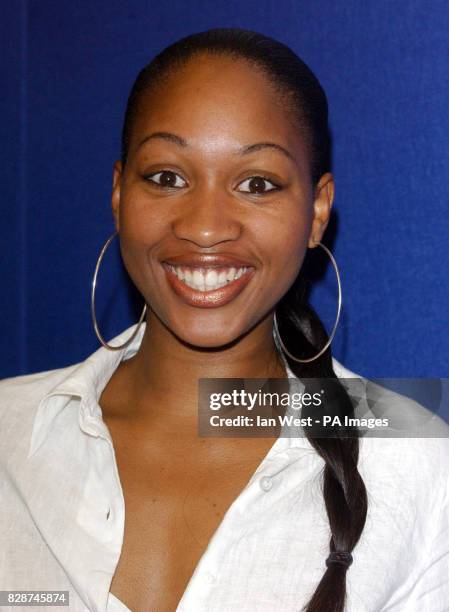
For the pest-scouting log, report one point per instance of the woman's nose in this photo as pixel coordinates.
(208, 218)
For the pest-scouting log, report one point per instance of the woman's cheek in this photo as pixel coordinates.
(140, 223)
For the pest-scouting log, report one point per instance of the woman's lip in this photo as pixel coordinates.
(198, 260)
(208, 299)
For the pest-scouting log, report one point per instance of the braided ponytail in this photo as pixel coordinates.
(344, 491)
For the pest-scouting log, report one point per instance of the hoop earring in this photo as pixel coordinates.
(331, 337)
(92, 306)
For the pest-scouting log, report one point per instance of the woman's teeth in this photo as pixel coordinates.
(207, 280)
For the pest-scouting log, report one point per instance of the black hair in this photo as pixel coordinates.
(299, 326)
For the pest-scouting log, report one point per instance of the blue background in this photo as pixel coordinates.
(68, 67)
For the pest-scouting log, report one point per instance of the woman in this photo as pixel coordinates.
(223, 184)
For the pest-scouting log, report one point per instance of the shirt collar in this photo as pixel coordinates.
(87, 379)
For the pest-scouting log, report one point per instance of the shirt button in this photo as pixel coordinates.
(266, 483)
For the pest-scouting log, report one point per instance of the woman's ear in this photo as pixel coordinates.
(116, 181)
(324, 197)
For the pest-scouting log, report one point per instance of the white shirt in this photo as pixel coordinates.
(62, 509)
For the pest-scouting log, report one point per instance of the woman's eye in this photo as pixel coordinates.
(256, 184)
(166, 178)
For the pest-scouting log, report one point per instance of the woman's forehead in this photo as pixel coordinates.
(216, 98)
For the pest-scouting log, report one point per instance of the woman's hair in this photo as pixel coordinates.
(302, 332)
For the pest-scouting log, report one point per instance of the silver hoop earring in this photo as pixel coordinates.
(92, 306)
(331, 337)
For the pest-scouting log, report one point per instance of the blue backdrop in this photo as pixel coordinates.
(68, 67)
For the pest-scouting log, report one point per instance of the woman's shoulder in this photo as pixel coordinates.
(398, 403)
(27, 388)
(402, 439)
(20, 398)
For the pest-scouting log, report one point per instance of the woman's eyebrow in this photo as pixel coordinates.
(263, 145)
(168, 136)
(164, 136)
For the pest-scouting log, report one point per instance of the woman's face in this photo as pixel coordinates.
(215, 205)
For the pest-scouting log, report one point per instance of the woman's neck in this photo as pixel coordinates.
(159, 384)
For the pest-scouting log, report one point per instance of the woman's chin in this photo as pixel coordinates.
(208, 338)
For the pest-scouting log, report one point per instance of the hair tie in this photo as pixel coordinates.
(344, 558)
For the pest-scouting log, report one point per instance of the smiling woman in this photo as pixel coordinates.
(223, 183)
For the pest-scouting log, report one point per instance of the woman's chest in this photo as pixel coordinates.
(172, 510)
(159, 553)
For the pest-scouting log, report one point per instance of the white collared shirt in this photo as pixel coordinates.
(62, 510)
